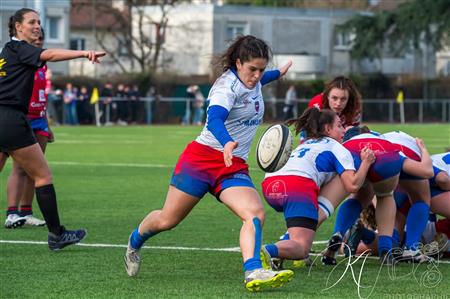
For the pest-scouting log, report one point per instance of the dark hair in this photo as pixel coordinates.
(354, 131)
(313, 122)
(17, 17)
(243, 48)
(353, 107)
(42, 37)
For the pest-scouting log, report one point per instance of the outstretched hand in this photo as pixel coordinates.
(228, 152)
(94, 56)
(285, 68)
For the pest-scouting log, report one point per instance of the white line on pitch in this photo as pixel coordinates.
(137, 165)
(100, 245)
(141, 165)
(230, 249)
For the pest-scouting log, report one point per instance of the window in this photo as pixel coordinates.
(77, 44)
(343, 40)
(122, 49)
(236, 28)
(54, 29)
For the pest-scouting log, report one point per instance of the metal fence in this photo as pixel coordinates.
(162, 110)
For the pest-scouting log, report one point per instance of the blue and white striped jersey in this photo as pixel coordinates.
(442, 162)
(317, 159)
(246, 110)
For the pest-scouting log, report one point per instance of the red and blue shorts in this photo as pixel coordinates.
(388, 161)
(40, 126)
(293, 195)
(201, 169)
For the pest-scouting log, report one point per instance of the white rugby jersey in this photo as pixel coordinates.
(246, 107)
(317, 159)
(404, 140)
(442, 161)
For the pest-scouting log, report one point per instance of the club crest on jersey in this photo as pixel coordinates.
(257, 106)
(276, 190)
(41, 75)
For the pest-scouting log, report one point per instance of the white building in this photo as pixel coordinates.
(197, 32)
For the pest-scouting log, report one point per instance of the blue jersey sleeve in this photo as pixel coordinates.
(216, 123)
(270, 76)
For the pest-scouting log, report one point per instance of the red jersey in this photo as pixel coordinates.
(38, 100)
(316, 101)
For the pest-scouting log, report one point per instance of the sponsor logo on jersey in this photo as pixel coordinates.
(251, 122)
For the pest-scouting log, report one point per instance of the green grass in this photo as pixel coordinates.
(108, 179)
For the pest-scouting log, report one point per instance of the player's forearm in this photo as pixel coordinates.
(62, 54)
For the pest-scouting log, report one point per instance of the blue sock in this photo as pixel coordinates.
(272, 249)
(396, 238)
(255, 262)
(368, 236)
(416, 221)
(347, 215)
(432, 217)
(252, 264)
(384, 244)
(136, 240)
(258, 237)
(285, 236)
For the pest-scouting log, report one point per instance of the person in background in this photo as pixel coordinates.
(122, 105)
(137, 108)
(271, 103)
(198, 103)
(83, 110)
(341, 96)
(106, 103)
(290, 101)
(70, 104)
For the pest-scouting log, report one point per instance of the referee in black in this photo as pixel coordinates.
(18, 62)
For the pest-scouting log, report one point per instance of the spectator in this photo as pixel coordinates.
(199, 101)
(83, 110)
(106, 104)
(289, 102)
(70, 105)
(271, 103)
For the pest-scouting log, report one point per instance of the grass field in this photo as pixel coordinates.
(108, 179)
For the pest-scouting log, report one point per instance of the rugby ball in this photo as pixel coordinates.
(274, 148)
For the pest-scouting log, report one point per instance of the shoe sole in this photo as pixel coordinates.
(275, 282)
(16, 224)
(31, 224)
(68, 244)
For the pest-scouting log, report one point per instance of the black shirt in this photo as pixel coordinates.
(18, 63)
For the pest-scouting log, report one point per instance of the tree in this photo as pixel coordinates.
(416, 25)
(403, 29)
(142, 35)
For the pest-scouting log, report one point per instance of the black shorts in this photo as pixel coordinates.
(15, 130)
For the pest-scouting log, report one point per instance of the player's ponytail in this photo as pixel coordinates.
(313, 122)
